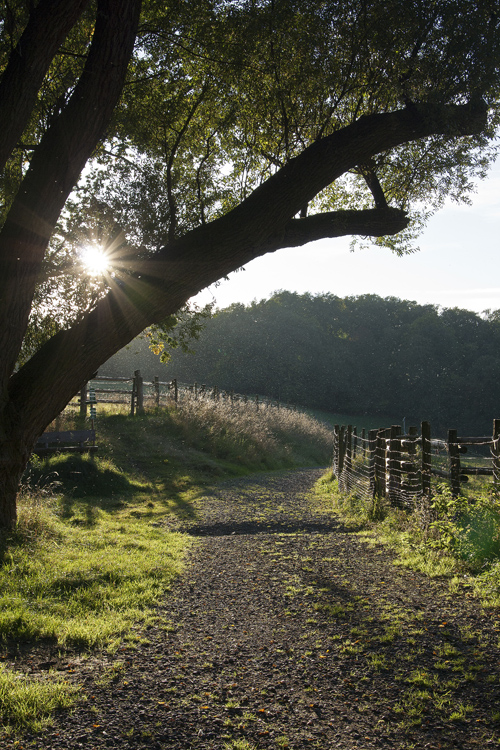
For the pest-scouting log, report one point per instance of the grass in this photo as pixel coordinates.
(454, 538)
(28, 703)
(85, 586)
(91, 555)
(241, 436)
(238, 745)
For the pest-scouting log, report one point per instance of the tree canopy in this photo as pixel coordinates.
(188, 138)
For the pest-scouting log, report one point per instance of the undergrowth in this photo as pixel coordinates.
(458, 538)
(91, 555)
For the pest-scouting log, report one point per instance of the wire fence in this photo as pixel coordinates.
(404, 468)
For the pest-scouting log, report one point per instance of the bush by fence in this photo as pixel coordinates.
(404, 467)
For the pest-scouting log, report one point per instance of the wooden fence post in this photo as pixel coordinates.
(335, 463)
(354, 441)
(139, 391)
(394, 465)
(495, 449)
(157, 391)
(426, 458)
(132, 398)
(454, 452)
(412, 452)
(341, 457)
(363, 444)
(83, 401)
(92, 404)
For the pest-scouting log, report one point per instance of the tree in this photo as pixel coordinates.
(363, 355)
(213, 132)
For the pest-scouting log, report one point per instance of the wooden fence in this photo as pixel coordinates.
(133, 391)
(401, 467)
(137, 393)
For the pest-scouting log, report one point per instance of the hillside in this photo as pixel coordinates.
(358, 355)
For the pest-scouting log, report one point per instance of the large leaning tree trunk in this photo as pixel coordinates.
(153, 288)
(54, 170)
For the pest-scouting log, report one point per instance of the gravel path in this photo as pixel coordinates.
(287, 631)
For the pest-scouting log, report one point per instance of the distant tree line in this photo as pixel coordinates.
(363, 355)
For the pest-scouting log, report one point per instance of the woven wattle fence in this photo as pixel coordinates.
(404, 467)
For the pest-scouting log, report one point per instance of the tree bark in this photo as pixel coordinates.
(48, 26)
(55, 168)
(13, 460)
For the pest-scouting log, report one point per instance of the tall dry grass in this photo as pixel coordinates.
(267, 436)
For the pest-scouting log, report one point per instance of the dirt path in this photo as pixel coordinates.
(288, 632)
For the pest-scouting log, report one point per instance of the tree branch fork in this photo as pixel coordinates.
(154, 288)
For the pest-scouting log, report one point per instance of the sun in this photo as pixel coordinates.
(95, 259)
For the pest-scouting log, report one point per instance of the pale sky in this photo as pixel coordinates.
(458, 264)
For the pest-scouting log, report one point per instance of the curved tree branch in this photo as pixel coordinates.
(325, 160)
(159, 286)
(371, 222)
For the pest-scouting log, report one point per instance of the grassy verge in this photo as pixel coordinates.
(91, 555)
(77, 574)
(456, 538)
(84, 579)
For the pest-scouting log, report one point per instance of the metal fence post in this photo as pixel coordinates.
(83, 401)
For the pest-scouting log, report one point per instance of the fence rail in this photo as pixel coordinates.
(138, 393)
(400, 467)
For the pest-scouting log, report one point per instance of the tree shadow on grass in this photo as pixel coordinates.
(87, 484)
(81, 476)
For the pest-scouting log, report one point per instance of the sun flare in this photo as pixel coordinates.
(95, 259)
